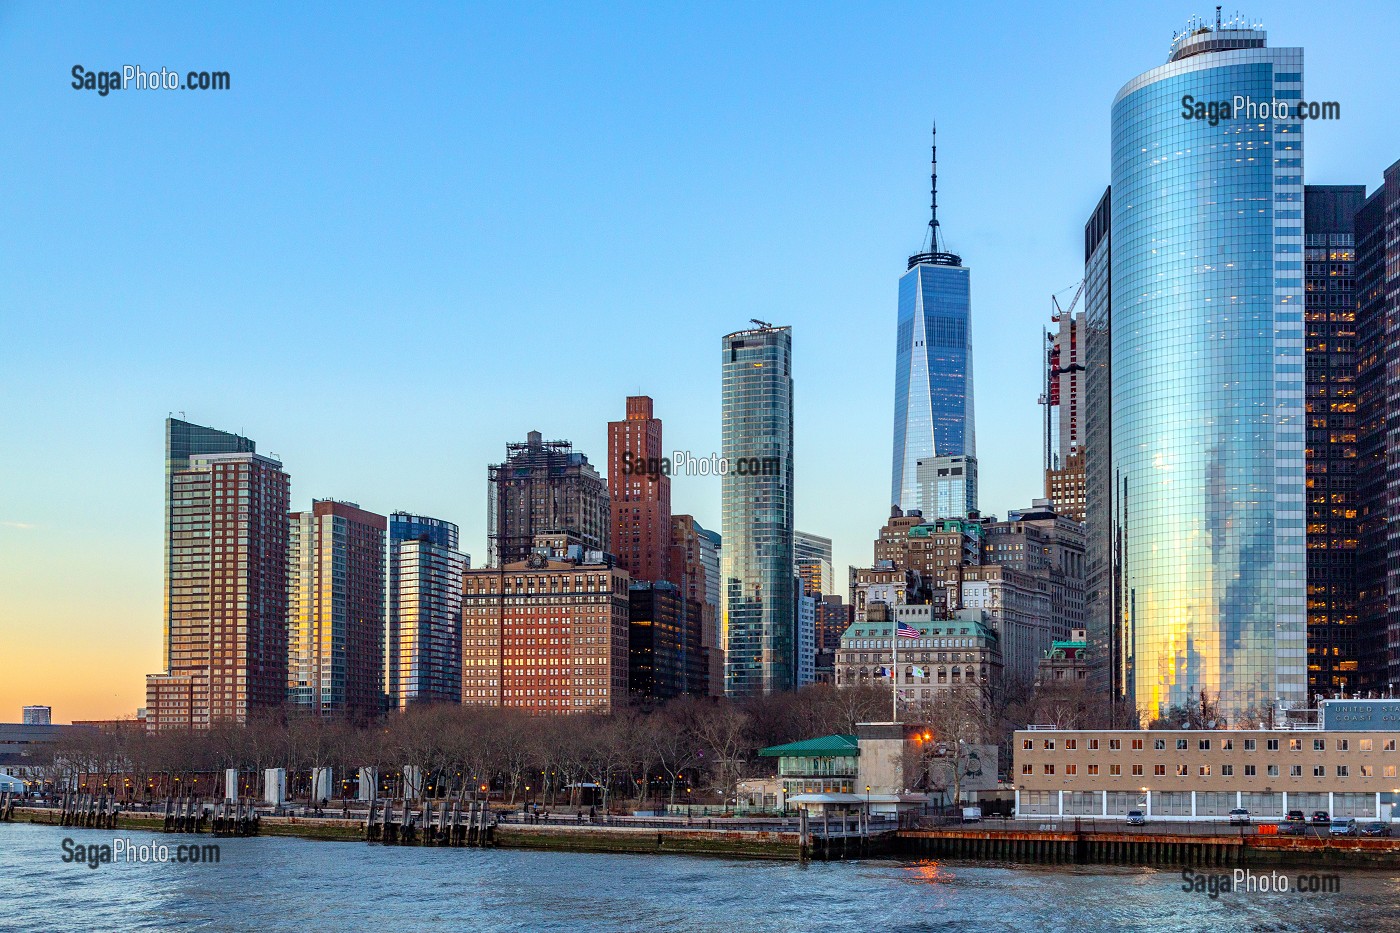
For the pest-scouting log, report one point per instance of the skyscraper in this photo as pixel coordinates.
(1378, 425)
(1064, 413)
(933, 410)
(226, 592)
(756, 505)
(423, 630)
(1207, 385)
(1336, 650)
(1105, 630)
(335, 619)
(544, 487)
(639, 494)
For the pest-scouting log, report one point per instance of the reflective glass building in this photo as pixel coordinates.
(933, 371)
(1207, 441)
(423, 617)
(756, 562)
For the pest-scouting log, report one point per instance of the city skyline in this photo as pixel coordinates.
(103, 331)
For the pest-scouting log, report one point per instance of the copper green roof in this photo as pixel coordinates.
(828, 746)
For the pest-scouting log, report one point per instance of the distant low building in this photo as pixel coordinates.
(38, 715)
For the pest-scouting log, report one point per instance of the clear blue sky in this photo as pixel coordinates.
(404, 238)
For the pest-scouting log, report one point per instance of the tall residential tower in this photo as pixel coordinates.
(760, 619)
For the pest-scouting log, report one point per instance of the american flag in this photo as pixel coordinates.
(908, 631)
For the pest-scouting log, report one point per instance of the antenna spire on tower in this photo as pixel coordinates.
(933, 197)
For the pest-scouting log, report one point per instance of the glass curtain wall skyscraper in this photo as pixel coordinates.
(423, 631)
(1207, 389)
(760, 619)
(933, 405)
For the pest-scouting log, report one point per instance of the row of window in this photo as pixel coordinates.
(1249, 745)
(1226, 770)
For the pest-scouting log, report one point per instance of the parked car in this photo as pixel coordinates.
(1292, 827)
(1376, 829)
(1294, 816)
(1343, 826)
(1239, 816)
(1137, 818)
(1321, 816)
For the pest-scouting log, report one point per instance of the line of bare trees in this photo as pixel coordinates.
(686, 749)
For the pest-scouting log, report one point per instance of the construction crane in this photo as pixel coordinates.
(1052, 369)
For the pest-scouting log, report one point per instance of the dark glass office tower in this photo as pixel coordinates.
(756, 504)
(1329, 302)
(423, 617)
(1378, 426)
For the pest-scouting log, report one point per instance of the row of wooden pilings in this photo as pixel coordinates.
(96, 811)
(443, 824)
(7, 806)
(1077, 849)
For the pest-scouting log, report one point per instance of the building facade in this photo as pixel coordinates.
(544, 487)
(946, 486)
(933, 401)
(226, 583)
(954, 652)
(695, 561)
(419, 584)
(1207, 387)
(639, 493)
(1203, 774)
(757, 512)
(1378, 426)
(548, 635)
(335, 617)
(812, 560)
(423, 637)
(1335, 646)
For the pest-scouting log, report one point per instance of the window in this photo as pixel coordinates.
(1027, 769)
(1027, 744)
(1341, 745)
(1181, 771)
(1249, 745)
(1115, 744)
(1048, 745)
(1365, 745)
(1093, 744)
(1093, 769)
(1319, 771)
(1137, 745)
(1295, 745)
(1227, 770)
(1227, 744)
(1049, 769)
(1389, 771)
(1319, 745)
(1203, 745)
(1295, 770)
(1390, 745)
(1249, 770)
(1368, 771)
(1342, 771)
(1204, 771)
(1271, 745)
(1071, 744)
(1159, 745)
(1159, 770)
(1181, 745)
(1116, 770)
(1137, 770)
(1071, 769)
(1273, 770)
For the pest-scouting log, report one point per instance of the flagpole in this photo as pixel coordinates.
(894, 668)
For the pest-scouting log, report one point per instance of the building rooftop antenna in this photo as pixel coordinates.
(933, 197)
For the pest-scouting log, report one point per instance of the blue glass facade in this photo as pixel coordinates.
(419, 626)
(1207, 441)
(756, 562)
(933, 410)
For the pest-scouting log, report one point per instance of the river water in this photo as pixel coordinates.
(276, 884)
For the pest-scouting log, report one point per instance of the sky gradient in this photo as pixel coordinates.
(403, 239)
